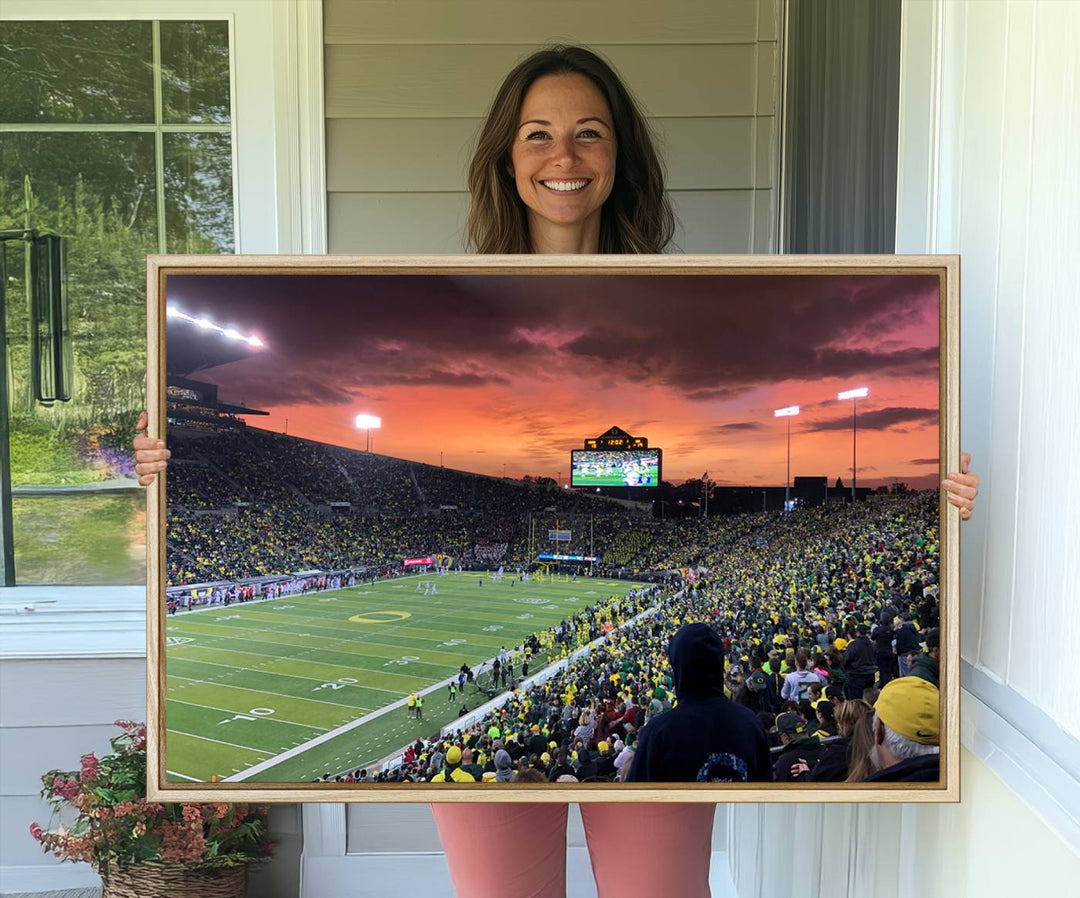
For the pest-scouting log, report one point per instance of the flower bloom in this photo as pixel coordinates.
(65, 788)
(90, 767)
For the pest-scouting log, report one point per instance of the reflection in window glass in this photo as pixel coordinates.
(65, 72)
(195, 71)
(85, 539)
(79, 515)
(97, 190)
(198, 193)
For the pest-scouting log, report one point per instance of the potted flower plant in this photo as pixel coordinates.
(142, 847)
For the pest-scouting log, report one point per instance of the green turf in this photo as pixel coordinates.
(246, 683)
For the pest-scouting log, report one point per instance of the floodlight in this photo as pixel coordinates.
(368, 423)
(207, 325)
(788, 413)
(854, 396)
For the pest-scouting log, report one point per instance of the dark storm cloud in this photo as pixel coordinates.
(882, 419)
(707, 338)
(737, 427)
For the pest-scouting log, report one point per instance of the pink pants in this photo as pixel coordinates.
(639, 850)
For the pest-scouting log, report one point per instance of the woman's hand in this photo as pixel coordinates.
(962, 488)
(150, 454)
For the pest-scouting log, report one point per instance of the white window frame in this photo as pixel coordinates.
(279, 169)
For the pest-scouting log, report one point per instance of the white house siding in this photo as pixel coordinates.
(408, 84)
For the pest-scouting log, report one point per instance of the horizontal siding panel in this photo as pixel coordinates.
(17, 846)
(768, 78)
(394, 154)
(765, 221)
(768, 27)
(709, 221)
(515, 22)
(390, 827)
(713, 221)
(72, 692)
(389, 154)
(456, 81)
(765, 152)
(397, 222)
(28, 752)
(706, 153)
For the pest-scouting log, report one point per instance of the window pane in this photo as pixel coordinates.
(76, 72)
(195, 72)
(198, 193)
(98, 191)
(82, 539)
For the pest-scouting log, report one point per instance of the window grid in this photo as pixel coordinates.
(159, 129)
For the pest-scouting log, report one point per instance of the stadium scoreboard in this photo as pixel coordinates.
(616, 458)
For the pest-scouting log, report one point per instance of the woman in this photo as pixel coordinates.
(565, 164)
(847, 758)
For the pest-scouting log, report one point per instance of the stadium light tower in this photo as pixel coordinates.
(207, 325)
(854, 396)
(368, 423)
(790, 412)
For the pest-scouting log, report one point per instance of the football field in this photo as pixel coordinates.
(289, 689)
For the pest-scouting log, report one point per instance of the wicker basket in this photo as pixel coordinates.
(150, 880)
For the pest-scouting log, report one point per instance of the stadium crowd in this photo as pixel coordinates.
(247, 503)
(811, 616)
(816, 614)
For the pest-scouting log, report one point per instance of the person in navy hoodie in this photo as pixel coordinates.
(907, 644)
(706, 737)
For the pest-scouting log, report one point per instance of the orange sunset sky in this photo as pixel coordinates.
(517, 370)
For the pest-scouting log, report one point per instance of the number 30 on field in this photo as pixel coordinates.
(340, 683)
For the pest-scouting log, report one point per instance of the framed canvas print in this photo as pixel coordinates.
(554, 528)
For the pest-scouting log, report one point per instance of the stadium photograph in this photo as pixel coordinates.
(572, 528)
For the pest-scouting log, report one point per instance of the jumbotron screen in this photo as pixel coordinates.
(615, 467)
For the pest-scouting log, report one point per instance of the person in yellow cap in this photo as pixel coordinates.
(906, 733)
(452, 772)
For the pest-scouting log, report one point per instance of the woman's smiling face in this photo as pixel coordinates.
(563, 155)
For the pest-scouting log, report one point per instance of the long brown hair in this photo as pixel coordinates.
(637, 216)
(855, 719)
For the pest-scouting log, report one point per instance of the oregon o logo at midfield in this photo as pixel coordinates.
(380, 617)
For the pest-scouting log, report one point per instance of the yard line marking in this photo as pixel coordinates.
(258, 751)
(279, 673)
(388, 673)
(184, 776)
(326, 737)
(260, 692)
(292, 723)
(332, 646)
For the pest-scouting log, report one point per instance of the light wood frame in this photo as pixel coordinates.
(946, 267)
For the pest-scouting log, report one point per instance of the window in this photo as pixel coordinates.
(118, 136)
